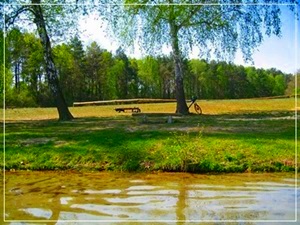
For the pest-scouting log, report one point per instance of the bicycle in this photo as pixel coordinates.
(196, 106)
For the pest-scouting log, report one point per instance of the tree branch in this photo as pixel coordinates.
(160, 16)
(189, 17)
(207, 21)
(9, 20)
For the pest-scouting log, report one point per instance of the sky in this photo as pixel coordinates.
(281, 53)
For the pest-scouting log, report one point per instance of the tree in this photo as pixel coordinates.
(35, 12)
(5, 81)
(165, 71)
(185, 24)
(93, 70)
(79, 61)
(108, 90)
(66, 66)
(32, 64)
(148, 74)
(198, 71)
(116, 73)
(127, 76)
(133, 84)
(15, 47)
(24, 58)
(292, 87)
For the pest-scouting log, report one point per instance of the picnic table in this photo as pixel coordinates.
(132, 109)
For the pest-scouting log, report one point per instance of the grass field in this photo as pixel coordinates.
(231, 136)
(212, 107)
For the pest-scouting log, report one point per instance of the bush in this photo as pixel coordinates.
(21, 99)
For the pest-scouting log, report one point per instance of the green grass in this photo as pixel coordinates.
(229, 140)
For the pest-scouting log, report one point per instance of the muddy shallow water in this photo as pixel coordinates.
(161, 198)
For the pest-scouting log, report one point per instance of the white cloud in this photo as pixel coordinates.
(92, 28)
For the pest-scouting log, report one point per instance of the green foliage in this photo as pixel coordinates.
(25, 73)
(50, 20)
(5, 84)
(180, 151)
(222, 80)
(227, 27)
(292, 89)
(148, 73)
(96, 74)
(127, 80)
(60, 19)
(66, 67)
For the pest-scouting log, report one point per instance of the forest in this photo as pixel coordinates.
(90, 73)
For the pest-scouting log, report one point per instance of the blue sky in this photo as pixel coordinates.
(280, 53)
(275, 52)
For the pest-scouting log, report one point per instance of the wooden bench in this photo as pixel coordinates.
(132, 109)
(157, 117)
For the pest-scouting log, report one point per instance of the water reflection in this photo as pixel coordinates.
(136, 198)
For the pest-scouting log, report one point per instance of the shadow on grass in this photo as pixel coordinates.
(103, 144)
(123, 143)
(118, 131)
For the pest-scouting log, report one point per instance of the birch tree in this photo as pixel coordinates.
(217, 27)
(49, 17)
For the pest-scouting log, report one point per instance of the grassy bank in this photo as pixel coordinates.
(231, 136)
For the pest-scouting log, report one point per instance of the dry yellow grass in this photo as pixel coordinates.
(209, 107)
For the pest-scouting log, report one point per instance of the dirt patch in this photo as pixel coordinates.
(58, 144)
(36, 141)
(263, 118)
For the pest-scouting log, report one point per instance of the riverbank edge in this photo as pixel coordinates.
(259, 169)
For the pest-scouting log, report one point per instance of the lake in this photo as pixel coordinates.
(157, 198)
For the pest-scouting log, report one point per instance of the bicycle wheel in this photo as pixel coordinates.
(197, 108)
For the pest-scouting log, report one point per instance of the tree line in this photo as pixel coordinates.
(93, 73)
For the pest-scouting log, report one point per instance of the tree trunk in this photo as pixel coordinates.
(62, 108)
(17, 76)
(179, 88)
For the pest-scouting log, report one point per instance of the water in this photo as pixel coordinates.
(162, 198)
